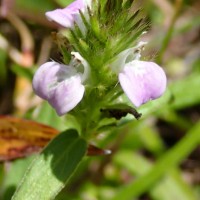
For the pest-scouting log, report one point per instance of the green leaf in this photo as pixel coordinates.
(51, 170)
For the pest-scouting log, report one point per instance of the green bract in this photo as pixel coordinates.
(111, 26)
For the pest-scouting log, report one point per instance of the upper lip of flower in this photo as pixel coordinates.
(70, 14)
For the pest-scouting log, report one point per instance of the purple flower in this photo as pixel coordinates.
(67, 16)
(141, 81)
(61, 85)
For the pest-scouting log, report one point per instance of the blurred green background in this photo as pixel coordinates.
(155, 158)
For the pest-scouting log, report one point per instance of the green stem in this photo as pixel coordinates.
(170, 160)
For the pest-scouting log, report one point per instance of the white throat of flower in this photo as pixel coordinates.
(78, 59)
(127, 56)
(137, 50)
(88, 3)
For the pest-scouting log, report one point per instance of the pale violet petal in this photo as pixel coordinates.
(61, 16)
(80, 59)
(67, 94)
(44, 76)
(48, 75)
(67, 16)
(142, 81)
(60, 85)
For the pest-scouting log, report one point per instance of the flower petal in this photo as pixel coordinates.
(48, 75)
(60, 85)
(67, 94)
(67, 16)
(142, 81)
